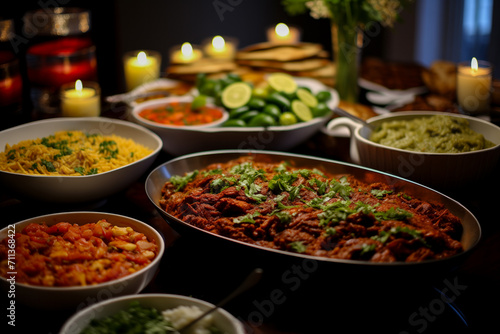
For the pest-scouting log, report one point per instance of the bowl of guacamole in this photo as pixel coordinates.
(437, 149)
(431, 134)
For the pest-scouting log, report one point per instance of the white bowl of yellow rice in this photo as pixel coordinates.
(75, 160)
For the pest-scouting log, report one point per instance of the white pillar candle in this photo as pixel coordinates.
(141, 67)
(474, 86)
(81, 99)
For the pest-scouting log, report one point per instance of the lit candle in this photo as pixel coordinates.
(220, 48)
(11, 84)
(282, 34)
(474, 86)
(141, 67)
(185, 55)
(80, 100)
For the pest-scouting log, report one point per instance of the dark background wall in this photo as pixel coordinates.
(122, 25)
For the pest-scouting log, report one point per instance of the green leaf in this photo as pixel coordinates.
(80, 170)
(367, 248)
(181, 181)
(50, 167)
(297, 246)
(294, 7)
(284, 217)
(379, 193)
(248, 218)
(393, 214)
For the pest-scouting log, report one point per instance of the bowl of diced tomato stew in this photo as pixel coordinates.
(75, 259)
(179, 112)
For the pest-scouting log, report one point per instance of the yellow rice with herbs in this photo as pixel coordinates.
(71, 153)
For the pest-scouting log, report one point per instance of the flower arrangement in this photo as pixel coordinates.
(348, 18)
(352, 12)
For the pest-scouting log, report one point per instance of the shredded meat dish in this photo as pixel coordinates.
(280, 206)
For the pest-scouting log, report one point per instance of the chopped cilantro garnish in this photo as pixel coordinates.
(248, 218)
(219, 184)
(330, 231)
(393, 214)
(181, 181)
(284, 216)
(63, 151)
(384, 236)
(92, 171)
(50, 167)
(80, 170)
(335, 212)
(297, 246)
(367, 248)
(341, 187)
(380, 193)
(106, 147)
(11, 154)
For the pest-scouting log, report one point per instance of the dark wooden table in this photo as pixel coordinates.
(298, 297)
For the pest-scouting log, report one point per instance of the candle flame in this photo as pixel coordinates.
(282, 30)
(473, 64)
(78, 85)
(218, 43)
(142, 59)
(187, 50)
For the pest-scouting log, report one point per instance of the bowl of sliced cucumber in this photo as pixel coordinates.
(278, 113)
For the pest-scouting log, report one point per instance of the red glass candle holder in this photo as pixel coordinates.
(11, 85)
(54, 63)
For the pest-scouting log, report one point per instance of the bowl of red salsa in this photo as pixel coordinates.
(178, 112)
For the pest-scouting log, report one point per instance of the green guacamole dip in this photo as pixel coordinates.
(437, 134)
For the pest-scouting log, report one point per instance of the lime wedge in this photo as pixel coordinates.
(199, 102)
(282, 82)
(305, 96)
(288, 118)
(236, 95)
(301, 110)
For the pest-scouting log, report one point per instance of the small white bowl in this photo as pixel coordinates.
(223, 320)
(437, 170)
(156, 127)
(78, 297)
(78, 189)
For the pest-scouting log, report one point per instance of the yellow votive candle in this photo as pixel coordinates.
(185, 54)
(141, 67)
(81, 99)
(220, 48)
(283, 34)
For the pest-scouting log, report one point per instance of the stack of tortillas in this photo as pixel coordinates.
(188, 72)
(301, 60)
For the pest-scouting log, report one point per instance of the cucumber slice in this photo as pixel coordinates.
(236, 113)
(279, 100)
(239, 123)
(301, 110)
(236, 95)
(261, 120)
(282, 82)
(305, 96)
